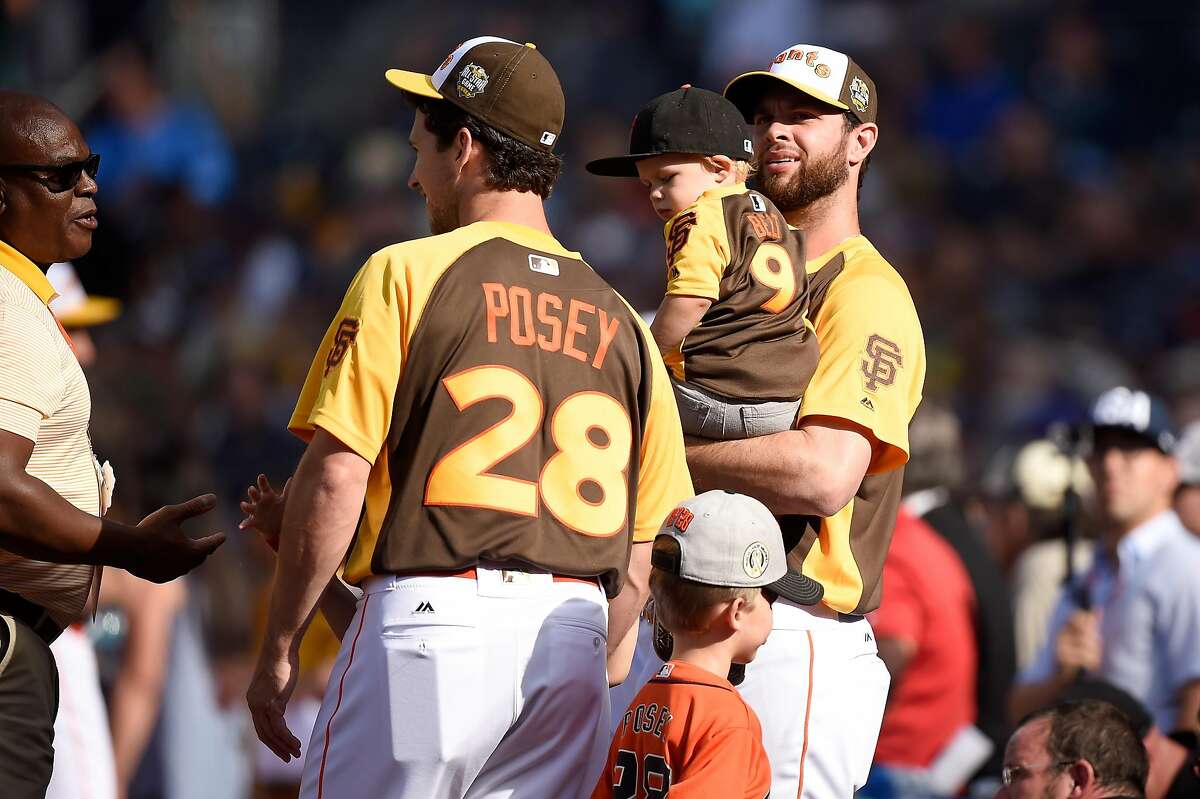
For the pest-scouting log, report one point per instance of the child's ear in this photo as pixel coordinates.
(738, 609)
(721, 166)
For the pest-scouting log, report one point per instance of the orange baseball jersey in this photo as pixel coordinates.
(687, 735)
(513, 406)
(871, 373)
(734, 247)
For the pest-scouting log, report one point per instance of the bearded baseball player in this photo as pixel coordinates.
(818, 685)
(491, 429)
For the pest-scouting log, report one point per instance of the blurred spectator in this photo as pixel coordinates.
(1081, 750)
(148, 138)
(1026, 523)
(933, 480)
(927, 641)
(1187, 497)
(1134, 618)
(1170, 775)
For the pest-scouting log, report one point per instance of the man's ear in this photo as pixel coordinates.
(862, 142)
(465, 148)
(1083, 777)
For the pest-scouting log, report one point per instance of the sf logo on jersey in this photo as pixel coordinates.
(346, 333)
(882, 361)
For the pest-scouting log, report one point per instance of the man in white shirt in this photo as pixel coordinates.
(1133, 619)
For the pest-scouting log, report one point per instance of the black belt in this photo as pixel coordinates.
(849, 618)
(31, 614)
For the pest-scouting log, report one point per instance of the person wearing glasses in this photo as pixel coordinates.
(1080, 749)
(53, 539)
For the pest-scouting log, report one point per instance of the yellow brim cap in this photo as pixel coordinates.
(414, 82)
(94, 311)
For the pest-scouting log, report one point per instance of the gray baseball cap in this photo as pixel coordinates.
(731, 540)
(1187, 452)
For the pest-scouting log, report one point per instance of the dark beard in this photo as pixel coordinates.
(812, 180)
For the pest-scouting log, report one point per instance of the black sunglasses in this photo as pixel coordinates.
(60, 177)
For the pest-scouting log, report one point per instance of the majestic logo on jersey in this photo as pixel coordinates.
(680, 230)
(756, 560)
(665, 671)
(860, 95)
(424, 608)
(882, 361)
(346, 333)
(680, 518)
(472, 80)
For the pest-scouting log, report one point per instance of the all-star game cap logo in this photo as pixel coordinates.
(860, 95)
(756, 560)
(472, 80)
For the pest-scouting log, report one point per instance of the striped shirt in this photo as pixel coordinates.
(44, 397)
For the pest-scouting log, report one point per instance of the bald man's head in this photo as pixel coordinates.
(28, 121)
(48, 214)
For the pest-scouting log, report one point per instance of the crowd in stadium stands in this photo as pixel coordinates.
(1038, 187)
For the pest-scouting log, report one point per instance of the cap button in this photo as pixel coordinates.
(531, 45)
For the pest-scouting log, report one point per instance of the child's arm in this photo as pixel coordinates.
(677, 316)
(264, 512)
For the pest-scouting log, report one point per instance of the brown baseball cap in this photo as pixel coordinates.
(821, 73)
(506, 85)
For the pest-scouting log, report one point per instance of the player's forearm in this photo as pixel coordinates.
(789, 472)
(624, 611)
(318, 524)
(675, 318)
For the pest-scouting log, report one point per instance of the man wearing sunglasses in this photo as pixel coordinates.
(1081, 749)
(53, 540)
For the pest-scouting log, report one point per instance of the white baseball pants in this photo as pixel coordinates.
(83, 753)
(819, 688)
(484, 688)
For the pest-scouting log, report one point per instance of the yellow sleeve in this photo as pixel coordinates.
(872, 365)
(697, 251)
(351, 384)
(663, 477)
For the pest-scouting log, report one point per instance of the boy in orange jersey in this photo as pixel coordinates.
(719, 563)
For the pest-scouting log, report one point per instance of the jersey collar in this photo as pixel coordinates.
(533, 238)
(27, 272)
(845, 244)
(679, 671)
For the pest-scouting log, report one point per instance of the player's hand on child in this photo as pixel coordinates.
(263, 507)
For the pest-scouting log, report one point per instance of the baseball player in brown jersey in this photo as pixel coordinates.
(737, 293)
(818, 685)
(490, 432)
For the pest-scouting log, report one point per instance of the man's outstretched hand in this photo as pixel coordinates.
(161, 551)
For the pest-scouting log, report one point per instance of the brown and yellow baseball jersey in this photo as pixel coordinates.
(734, 247)
(688, 734)
(513, 406)
(871, 373)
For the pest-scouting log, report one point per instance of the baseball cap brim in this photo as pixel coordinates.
(799, 588)
(414, 82)
(745, 90)
(625, 166)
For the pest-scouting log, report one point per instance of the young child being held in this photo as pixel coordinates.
(733, 325)
(718, 564)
